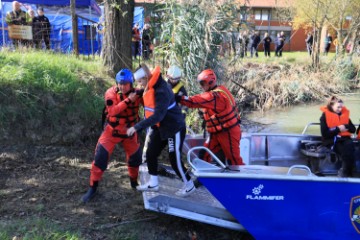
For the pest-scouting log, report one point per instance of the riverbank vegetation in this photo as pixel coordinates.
(51, 98)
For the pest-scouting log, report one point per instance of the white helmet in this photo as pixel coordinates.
(174, 72)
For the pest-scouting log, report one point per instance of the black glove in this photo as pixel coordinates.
(178, 98)
(139, 92)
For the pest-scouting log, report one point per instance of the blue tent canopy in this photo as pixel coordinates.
(59, 15)
(79, 3)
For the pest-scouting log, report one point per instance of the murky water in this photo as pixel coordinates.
(294, 119)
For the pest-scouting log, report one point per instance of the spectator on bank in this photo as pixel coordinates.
(280, 42)
(328, 41)
(255, 38)
(136, 40)
(309, 43)
(41, 29)
(31, 13)
(246, 41)
(336, 44)
(17, 17)
(267, 41)
(146, 41)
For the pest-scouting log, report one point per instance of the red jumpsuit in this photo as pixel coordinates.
(121, 114)
(222, 122)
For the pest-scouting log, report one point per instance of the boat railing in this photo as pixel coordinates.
(301, 167)
(194, 162)
(308, 125)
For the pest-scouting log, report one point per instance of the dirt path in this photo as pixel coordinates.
(47, 182)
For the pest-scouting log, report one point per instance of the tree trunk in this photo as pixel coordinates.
(116, 52)
(316, 49)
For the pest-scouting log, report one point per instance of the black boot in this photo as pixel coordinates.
(90, 193)
(134, 183)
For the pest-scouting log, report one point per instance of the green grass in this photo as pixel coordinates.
(35, 229)
(287, 57)
(49, 89)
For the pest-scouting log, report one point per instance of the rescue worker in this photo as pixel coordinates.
(221, 117)
(122, 111)
(18, 17)
(41, 29)
(174, 80)
(166, 128)
(336, 131)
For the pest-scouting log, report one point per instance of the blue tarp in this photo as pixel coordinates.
(61, 25)
(78, 3)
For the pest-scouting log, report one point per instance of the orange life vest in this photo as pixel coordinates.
(333, 120)
(228, 118)
(358, 136)
(149, 95)
(129, 117)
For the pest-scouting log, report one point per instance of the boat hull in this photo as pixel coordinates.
(289, 207)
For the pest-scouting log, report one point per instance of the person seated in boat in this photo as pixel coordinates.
(221, 117)
(336, 132)
(166, 128)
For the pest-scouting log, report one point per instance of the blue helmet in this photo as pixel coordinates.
(124, 76)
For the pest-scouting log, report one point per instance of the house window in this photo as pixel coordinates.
(265, 14)
(257, 14)
(262, 14)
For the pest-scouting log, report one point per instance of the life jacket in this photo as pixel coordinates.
(333, 119)
(226, 119)
(358, 134)
(129, 117)
(177, 87)
(149, 95)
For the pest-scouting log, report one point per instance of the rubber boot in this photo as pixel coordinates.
(90, 194)
(133, 183)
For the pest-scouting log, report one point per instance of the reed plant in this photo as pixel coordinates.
(282, 83)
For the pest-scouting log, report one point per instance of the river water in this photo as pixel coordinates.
(294, 119)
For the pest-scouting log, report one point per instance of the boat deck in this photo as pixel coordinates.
(199, 206)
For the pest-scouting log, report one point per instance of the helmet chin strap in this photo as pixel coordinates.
(212, 88)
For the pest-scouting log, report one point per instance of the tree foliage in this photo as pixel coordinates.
(192, 32)
(312, 14)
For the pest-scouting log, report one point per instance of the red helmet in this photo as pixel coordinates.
(207, 76)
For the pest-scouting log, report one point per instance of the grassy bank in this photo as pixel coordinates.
(57, 95)
(52, 98)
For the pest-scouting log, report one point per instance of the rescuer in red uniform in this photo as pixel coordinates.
(122, 112)
(221, 117)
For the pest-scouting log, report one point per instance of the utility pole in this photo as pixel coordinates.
(74, 27)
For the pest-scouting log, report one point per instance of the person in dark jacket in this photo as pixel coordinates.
(146, 41)
(255, 38)
(336, 132)
(309, 43)
(267, 41)
(41, 29)
(166, 127)
(280, 42)
(328, 41)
